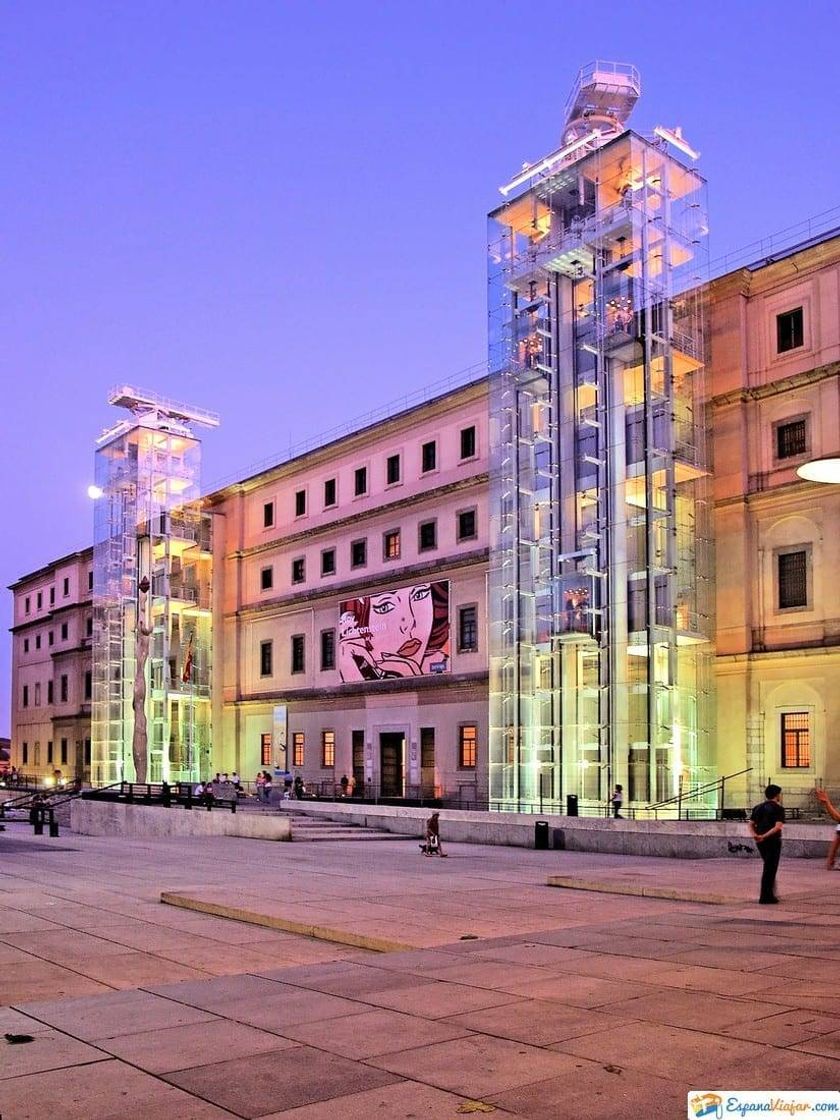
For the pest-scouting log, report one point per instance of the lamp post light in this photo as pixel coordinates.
(825, 469)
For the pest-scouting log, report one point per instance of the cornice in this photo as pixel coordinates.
(461, 682)
(743, 394)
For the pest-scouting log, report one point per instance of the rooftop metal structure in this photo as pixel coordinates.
(604, 93)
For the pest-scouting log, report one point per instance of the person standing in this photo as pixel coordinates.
(345, 781)
(767, 821)
(833, 847)
(617, 800)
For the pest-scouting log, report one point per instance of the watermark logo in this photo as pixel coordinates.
(722, 1103)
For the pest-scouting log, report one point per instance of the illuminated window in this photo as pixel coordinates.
(297, 748)
(467, 746)
(427, 748)
(796, 740)
(327, 750)
(790, 333)
(391, 545)
(792, 579)
(265, 748)
(427, 536)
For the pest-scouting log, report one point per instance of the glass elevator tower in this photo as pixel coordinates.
(601, 562)
(151, 592)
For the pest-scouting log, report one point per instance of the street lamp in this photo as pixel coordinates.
(824, 469)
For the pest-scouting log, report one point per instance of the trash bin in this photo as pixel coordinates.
(541, 836)
(571, 805)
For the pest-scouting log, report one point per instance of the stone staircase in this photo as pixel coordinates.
(317, 828)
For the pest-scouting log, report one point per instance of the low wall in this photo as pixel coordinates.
(114, 818)
(675, 839)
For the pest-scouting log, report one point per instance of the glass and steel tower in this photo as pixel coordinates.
(152, 646)
(601, 563)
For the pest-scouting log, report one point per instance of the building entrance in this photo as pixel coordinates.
(391, 763)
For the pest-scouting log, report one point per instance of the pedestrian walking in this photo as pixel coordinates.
(617, 800)
(834, 846)
(767, 821)
(432, 836)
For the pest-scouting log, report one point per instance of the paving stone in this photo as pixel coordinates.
(581, 991)
(536, 1022)
(374, 1032)
(259, 1085)
(405, 1100)
(435, 999)
(690, 1009)
(116, 1013)
(785, 1028)
(196, 1044)
(475, 1066)
(48, 1050)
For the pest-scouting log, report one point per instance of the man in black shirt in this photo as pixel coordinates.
(767, 821)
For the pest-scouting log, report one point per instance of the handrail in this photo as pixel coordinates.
(706, 787)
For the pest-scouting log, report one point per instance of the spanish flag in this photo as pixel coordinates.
(186, 676)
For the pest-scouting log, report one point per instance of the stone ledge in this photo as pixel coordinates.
(111, 818)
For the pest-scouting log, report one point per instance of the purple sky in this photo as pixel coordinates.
(276, 210)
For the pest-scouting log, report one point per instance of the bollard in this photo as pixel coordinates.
(38, 822)
(571, 805)
(53, 828)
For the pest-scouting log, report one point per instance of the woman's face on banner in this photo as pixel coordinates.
(401, 623)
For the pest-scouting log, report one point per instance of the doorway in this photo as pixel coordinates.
(391, 763)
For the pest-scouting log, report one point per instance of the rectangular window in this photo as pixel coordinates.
(428, 456)
(25, 753)
(49, 752)
(300, 503)
(88, 684)
(66, 590)
(26, 696)
(391, 545)
(392, 469)
(793, 579)
(37, 641)
(328, 649)
(39, 600)
(50, 637)
(329, 493)
(265, 748)
(298, 570)
(49, 692)
(327, 750)
(468, 629)
(268, 515)
(358, 554)
(266, 579)
(266, 658)
(791, 439)
(427, 536)
(64, 631)
(360, 481)
(467, 526)
(297, 748)
(790, 332)
(64, 688)
(468, 442)
(90, 580)
(427, 748)
(37, 694)
(88, 628)
(796, 740)
(328, 562)
(26, 645)
(298, 653)
(52, 594)
(87, 752)
(63, 752)
(26, 605)
(467, 744)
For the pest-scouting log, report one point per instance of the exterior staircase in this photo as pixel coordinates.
(305, 828)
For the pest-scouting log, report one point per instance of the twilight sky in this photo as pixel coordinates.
(276, 209)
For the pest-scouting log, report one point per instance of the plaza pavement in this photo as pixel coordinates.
(509, 995)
